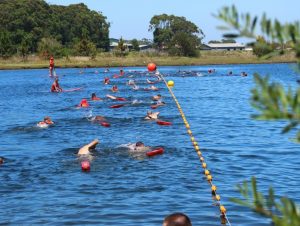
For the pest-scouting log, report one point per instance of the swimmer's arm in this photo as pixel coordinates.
(85, 149)
(93, 144)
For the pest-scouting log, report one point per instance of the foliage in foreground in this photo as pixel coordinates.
(283, 213)
(270, 99)
(274, 103)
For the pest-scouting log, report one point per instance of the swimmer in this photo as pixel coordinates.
(85, 150)
(137, 147)
(131, 82)
(178, 219)
(152, 115)
(106, 81)
(150, 82)
(84, 103)
(111, 97)
(55, 86)
(153, 88)
(1, 160)
(114, 89)
(156, 97)
(244, 74)
(230, 73)
(106, 70)
(121, 72)
(97, 118)
(45, 123)
(157, 105)
(135, 87)
(94, 97)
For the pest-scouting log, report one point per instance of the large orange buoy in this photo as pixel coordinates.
(151, 66)
(85, 165)
(157, 151)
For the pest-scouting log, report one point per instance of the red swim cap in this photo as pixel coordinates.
(84, 103)
(85, 165)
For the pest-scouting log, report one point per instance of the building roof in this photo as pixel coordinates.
(226, 45)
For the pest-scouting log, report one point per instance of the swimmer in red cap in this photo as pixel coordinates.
(46, 122)
(55, 86)
(114, 89)
(84, 103)
(1, 160)
(106, 81)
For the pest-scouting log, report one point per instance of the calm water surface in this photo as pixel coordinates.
(41, 180)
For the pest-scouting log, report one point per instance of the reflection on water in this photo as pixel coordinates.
(42, 182)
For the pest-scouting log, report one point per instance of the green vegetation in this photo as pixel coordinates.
(175, 34)
(133, 58)
(272, 101)
(267, 205)
(30, 26)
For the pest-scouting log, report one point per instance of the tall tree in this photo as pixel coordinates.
(176, 34)
(37, 19)
(135, 44)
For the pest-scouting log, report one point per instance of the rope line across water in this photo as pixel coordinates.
(223, 215)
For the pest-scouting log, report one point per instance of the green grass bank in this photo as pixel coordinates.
(142, 59)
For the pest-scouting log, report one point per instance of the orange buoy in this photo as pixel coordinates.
(85, 165)
(151, 67)
(163, 123)
(157, 151)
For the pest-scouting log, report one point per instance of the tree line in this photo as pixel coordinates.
(30, 26)
(34, 26)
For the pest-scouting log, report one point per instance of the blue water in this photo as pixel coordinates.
(42, 182)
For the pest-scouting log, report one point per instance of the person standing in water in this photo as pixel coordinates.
(51, 66)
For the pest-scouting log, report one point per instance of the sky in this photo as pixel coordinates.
(130, 18)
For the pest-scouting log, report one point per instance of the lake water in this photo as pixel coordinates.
(42, 181)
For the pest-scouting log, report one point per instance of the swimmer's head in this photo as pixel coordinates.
(93, 95)
(1, 160)
(139, 144)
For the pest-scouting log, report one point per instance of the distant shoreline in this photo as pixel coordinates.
(142, 59)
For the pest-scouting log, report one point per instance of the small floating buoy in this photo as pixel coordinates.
(105, 124)
(151, 67)
(170, 83)
(157, 151)
(117, 106)
(163, 123)
(85, 165)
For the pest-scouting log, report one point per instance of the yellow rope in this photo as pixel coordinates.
(224, 218)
